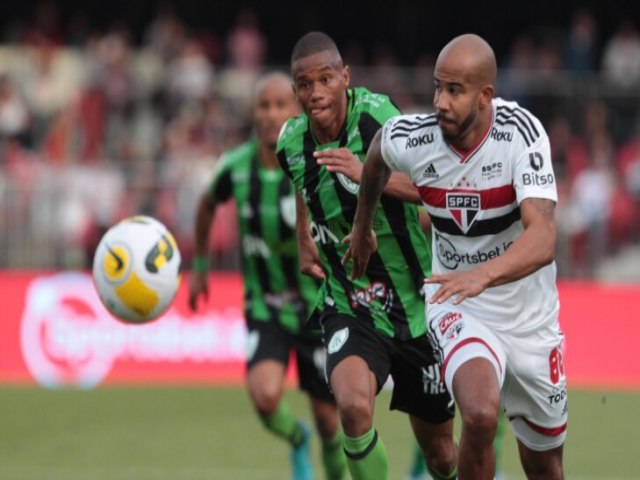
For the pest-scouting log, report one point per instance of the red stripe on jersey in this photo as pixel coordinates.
(461, 344)
(552, 432)
(490, 198)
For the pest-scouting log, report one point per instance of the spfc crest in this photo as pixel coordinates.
(464, 208)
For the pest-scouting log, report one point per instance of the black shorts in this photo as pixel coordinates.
(270, 341)
(418, 389)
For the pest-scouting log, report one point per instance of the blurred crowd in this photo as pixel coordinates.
(95, 127)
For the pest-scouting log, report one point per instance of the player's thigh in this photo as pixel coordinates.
(458, 337)
(418, 388)
(535, 389)
(354, 347)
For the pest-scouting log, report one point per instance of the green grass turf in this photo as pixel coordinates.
(182, 433)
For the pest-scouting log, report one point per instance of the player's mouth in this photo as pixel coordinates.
(317, 111)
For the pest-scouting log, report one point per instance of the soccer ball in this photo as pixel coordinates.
(136, 269)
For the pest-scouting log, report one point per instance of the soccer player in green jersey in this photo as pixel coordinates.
(375, 326)
(278, 297)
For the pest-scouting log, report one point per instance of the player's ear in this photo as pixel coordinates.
(346, 75)
(486, 95)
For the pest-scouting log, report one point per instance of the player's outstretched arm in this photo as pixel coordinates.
(342, 160)
(198, 279)
(361, 240)
(534, 249)
(309, 259)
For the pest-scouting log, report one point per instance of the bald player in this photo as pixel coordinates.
(278, 298)
(483, 168)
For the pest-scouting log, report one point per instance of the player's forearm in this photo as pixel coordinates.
(534, 249)
(375, 175)
(204, 217)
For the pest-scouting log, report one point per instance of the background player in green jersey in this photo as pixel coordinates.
(278, 298)
(375, 326)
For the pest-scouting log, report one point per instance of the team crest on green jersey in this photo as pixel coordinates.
(348, 184)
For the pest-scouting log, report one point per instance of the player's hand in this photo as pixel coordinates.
(461, 284)
(309, 259)
(198, 287)
(361, 246)
(340, 160)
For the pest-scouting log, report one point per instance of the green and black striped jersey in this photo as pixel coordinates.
(275, 290)
(390, 294)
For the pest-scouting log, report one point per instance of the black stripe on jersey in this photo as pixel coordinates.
(517, 125)
(520, 116)
(406, 131)
(523, 115)
(395, 213)
(479, 228)
(368, 127)
(255, 228)
(311, 181)
(290, 264)
(406, 123)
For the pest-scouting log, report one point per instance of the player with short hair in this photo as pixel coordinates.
(278, 298)
(483, 168)
(375, 326)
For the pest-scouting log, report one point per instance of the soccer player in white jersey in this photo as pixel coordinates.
(483, 169)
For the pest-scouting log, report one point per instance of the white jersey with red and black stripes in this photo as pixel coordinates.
(473, 199)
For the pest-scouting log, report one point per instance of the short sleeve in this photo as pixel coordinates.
(389, 148)
(533, 172)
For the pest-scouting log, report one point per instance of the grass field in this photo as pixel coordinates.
(184, 433)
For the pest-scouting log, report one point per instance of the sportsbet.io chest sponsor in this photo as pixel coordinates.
(451, 259)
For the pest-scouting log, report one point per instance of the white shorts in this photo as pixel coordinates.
(530, 370)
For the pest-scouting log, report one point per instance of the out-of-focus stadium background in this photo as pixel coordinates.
(109, 109)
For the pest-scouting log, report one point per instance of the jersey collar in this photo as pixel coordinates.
(466, 155)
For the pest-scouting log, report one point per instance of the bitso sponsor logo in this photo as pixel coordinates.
(536, 161)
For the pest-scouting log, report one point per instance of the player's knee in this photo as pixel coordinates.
(265, 398)
(481, 421)
(356, 413)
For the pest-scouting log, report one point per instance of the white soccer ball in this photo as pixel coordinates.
(136, 269)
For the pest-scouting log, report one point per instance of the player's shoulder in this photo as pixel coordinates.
(378, 105)
(292, 130)
(411, 127)
(518, 121)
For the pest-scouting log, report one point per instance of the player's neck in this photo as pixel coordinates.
(267, 156)
(475, 134)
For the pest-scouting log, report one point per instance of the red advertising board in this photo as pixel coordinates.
(55, 332)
